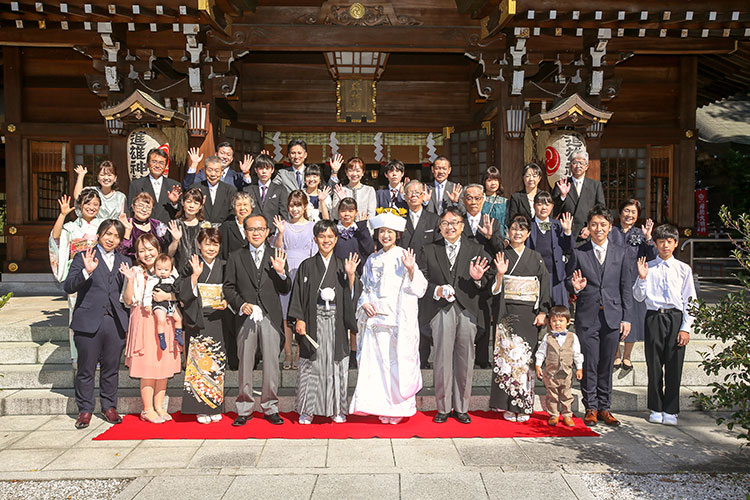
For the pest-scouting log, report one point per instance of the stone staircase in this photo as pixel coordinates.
(37, 377)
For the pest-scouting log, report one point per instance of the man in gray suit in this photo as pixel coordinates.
(577, 195)
(443, 193)
(457, 269)
(293, 177)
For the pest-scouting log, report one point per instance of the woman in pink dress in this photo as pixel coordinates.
(143, 356)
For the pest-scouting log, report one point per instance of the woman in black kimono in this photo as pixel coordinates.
(525, 302)
(206, 319)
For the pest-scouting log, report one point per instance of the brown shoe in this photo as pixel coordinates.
(568, 421)
(111, 416)
(553, 420)
(83, 420)
(608, 418)
(590, 418)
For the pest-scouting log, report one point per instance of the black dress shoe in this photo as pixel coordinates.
(83, 420)
(425, 366)
(274, 418)
(440, 418)
(484, 365)
(463, 418)
(241, 420)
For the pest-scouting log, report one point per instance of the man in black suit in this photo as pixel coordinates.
(393, 195)
(165, 192)
(578, 194)
(225, 152)
(457, 269)
(100, 321)
(421, 229)
(253, 280)
(217, 195)
(600, 274)
(486, 231)
(443, 193)
(270, 198)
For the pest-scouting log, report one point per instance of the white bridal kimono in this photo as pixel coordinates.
(388, 343)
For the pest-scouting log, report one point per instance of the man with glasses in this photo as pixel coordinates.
(254, 278)
(577, 195)
(457, 270)
(165, 192)
(421, 229)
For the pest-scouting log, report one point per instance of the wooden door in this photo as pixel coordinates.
(661, 188)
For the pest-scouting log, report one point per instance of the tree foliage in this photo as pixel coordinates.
(729, 321)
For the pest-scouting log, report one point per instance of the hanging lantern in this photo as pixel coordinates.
(115, 126)
(559, 153)
(594, 131)
(198, 119)
(515, 123)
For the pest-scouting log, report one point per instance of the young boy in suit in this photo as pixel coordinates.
(666, 285)
(561, 350)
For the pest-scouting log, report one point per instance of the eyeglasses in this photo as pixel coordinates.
(412, 194)
(473, 198)
(254, 230)
(453, 224)
(142, 205)
(578, 162)
(157, 163)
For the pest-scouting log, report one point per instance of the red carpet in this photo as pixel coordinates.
(485, 424)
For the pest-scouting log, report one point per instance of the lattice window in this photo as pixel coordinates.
(90, 155)
(623, 175)
(661, 165)
(243, 141)
(48, 166)
(470, 155)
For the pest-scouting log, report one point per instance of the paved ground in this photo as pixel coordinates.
(47, 447)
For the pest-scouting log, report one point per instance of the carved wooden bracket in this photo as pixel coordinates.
(345, 13)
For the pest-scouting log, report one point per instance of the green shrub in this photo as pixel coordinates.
(729, 321)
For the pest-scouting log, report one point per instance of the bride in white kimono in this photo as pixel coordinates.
(388, 340)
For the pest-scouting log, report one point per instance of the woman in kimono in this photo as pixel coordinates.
(525, 301)
(639, 240)
(205, 319)
(388, 341)
(69, 238)
(494, 203)
(321, 309)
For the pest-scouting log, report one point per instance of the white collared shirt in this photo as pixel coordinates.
(156, 185)
(541, 351)
(474, 221)
(601, 248)
(578, 184)
(257, 251)
(242, 229)
(212, 191)
(669, 284)
(414, 216)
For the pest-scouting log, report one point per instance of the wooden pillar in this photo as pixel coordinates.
(509, 154)
(682, 204)
(593, 148)
(15, 167)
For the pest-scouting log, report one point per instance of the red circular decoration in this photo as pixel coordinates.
(552, 160)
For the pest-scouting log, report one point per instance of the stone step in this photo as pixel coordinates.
(58, 402)
(60, 376)
(37, 333)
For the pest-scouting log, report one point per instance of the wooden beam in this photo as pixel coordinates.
(316, 38)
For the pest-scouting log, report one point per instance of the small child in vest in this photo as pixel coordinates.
(561, 350)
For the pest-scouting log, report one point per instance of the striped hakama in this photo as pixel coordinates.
(322, 383)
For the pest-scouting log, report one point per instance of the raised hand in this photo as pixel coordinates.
(127, 271)
(175, 230)
(197, 265)
(278, 260)
(80, 170)
(90, 262)
(647, 229)
(340, 191)
(585, 233)
(174, 193)
(427, 194)
(564, 186)
(455, 194)
(486, 226)
(501, 264)
(265, 152)
(361, 216)
(578, 280)
(324, 193)
(351, 263)
(566, 221)
(246, 164)
(128, 223)
(336, 162)
(642, 268)
(195, 157)
(409, 259)
(404, 182)
(478, 267)
(65, 205)
(279, 223)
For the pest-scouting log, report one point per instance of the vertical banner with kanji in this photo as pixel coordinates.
(701, 212)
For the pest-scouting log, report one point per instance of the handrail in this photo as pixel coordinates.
(693, 259)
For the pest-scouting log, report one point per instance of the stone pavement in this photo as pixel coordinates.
(48, 447)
